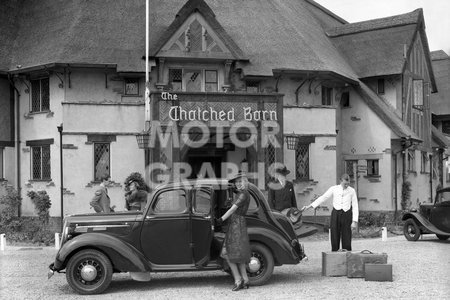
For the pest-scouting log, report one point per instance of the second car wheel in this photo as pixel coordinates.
(89, 272)
(411, 230)
(261, 264)
(442, 237)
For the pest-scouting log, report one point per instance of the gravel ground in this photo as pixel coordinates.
(421, 271)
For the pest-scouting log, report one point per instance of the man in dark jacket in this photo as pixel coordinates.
(281, 191)
(101, 202)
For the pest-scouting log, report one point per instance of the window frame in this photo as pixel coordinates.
(424, 162)
(41, 176)
(98, 178)
(411, 160)
(381, 86)
(32, 99)
(162, 213)
(327, 96)
(130, 80)
(373, 170)
(308, 171)
(202, 72)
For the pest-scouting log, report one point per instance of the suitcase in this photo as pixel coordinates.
(378, 272)
(357, 259)
(334, 263)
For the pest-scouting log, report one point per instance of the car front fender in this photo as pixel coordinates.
(283, 252)
(423, 222)
(123, 256)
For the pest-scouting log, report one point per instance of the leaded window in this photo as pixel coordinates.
(132, 86)
(411, 160)
(101, 160)
(40, 162)
(302, 162)
(269, 160)
(40, 95)
(349, 167)
(176, 79)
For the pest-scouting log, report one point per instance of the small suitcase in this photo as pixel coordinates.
(378, 272)
(356, 261)
(334, 263)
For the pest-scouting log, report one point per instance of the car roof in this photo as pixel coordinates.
(222, 182)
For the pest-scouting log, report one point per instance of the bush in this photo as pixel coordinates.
(9, 207)
(368, 219)
(406, 195)
(42, 204)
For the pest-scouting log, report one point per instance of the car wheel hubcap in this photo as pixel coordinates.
(88, 273)
(254, 265)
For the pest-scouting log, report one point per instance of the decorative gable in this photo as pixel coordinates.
(195, 39)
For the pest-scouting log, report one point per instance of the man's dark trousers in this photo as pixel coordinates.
(340, 224)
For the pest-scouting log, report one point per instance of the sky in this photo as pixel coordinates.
(436, 13)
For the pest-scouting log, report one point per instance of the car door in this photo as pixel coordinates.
(165, 238)
(202, 230)
(440, 213)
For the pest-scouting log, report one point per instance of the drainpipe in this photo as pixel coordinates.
(395, 185)
(18, 166)
(431, 177)
(60, 130)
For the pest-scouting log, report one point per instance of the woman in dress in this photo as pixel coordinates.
(136, 199)
(236, 246)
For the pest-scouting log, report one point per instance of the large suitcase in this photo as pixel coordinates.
(378, 272)
(334, 263)
(357, 259)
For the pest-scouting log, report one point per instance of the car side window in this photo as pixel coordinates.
(253, 204)
(169, 202)
(202, 201)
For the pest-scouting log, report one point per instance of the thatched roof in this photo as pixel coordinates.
(377, 47)
(440, 101)
(270, 33)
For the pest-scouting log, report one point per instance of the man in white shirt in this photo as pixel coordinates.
(345, 212)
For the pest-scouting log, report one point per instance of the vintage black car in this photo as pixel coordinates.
(431, 218)
(175, 232)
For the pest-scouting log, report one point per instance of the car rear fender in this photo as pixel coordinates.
(123, 256)
(282, 250)
(424, 223)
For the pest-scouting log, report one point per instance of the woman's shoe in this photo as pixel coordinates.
(238, 286)
(246, 284)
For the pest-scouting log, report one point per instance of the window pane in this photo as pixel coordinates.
(36, 162)
(35, 95)
(131, 86)
(345, 99)
(302, 161)
(171, 202)
(175, 79)
(211, 76)
(101, 161)
(193, 80)
(46, 169)
(349, 167)
(380, 86)
(202, 203)
(326, 95)
(45, 94)
(210, 87)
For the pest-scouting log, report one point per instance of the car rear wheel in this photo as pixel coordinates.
(261, 264)
(411, 230)
(442, 237)
(89, 272)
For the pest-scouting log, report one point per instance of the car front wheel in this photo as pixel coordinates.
(261, 264)
(89, 272)
(411, 230)
(442, 237)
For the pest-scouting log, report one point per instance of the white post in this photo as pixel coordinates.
(2, 242)
(383, 234)
(147, 84)
(329, 235)
(56, 240)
